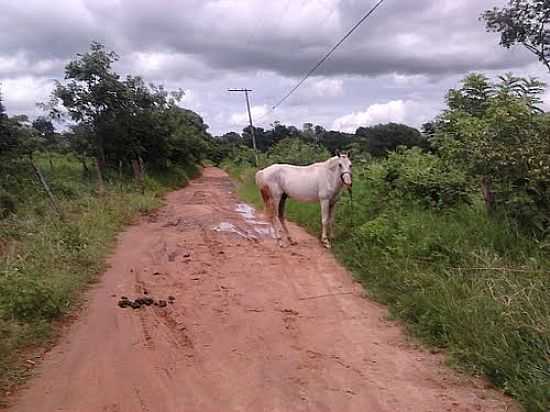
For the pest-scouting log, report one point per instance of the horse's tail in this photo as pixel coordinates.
(266, 194)
(268, 200)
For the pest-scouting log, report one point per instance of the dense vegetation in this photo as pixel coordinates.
(454, 235)
(64, 195)
(374, 140)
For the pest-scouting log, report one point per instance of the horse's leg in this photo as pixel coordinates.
(282, 203)
(332, 216)
(325, 220)
(277, 226)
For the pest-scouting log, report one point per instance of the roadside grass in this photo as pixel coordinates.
(45, 261)
(460, 280)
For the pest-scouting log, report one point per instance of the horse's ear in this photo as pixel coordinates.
(338, 153)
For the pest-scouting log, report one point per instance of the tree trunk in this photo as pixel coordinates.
(139, 177)
(100, 151)
(141, 174)
(100, 185)
(488, 194)
(138, 174)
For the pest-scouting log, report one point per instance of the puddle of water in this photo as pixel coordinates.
(249, 214)
(258, 227)
(265, 231)
(229, 228)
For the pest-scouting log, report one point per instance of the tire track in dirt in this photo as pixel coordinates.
(252, 327)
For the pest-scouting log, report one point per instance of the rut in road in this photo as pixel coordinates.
(253, 327)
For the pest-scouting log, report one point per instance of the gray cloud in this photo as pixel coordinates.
(408, 51)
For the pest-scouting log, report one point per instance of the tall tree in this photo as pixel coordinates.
(93, 93)
(4, 131)
(504, 146)
(9, 131)
(45, 129)
(473, 97)
(523, 22)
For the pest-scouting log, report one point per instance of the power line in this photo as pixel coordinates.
(326, 56)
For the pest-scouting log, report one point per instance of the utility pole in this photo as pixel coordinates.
(249, 119)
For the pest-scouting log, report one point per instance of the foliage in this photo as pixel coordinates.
(421, 177)
(7, 204)
(380, 139)
(501, 134)
(376, 141)
(7, 137)
(522, 22)
(46, 130)
(124, 120)
(296, 152)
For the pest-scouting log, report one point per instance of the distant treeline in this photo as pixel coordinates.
(376, 140)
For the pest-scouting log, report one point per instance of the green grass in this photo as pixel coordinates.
(45, 262)
(461, 281)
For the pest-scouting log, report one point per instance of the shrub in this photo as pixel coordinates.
(425, 178)
(7, 204)
(296, 152)
(25, 298)
(505, 142)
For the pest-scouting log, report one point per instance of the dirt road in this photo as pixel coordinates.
(253, 327)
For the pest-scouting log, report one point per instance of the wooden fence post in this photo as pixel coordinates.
(42, 180)
(488, 194)
(100, 184)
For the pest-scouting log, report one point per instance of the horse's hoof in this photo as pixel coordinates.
(292, 242)
(326, 243)
(280, 243)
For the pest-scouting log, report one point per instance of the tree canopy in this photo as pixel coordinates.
(523, 22)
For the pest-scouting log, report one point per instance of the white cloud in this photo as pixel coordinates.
(328, 88)
(166, 66)
(21, 94)
(241, 119)
(393, 111)
(410, 112)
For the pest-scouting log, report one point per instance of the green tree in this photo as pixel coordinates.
(93, 93)
(46, 130)
(505, 146)
(522, 22)
(473, 97)
(231, 138)
(382, 138)
(7, 137)
(295, 151)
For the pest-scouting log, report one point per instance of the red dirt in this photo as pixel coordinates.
(253, 328)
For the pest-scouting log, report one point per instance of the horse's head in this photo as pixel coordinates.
(344, 168)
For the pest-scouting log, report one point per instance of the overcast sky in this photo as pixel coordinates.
(396, 67)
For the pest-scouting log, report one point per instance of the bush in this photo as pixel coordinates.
(7, 204)
(296, 152)
(505, 141)
(24, 298)
(425, 178)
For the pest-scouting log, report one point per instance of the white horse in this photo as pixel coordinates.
(319, 182)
